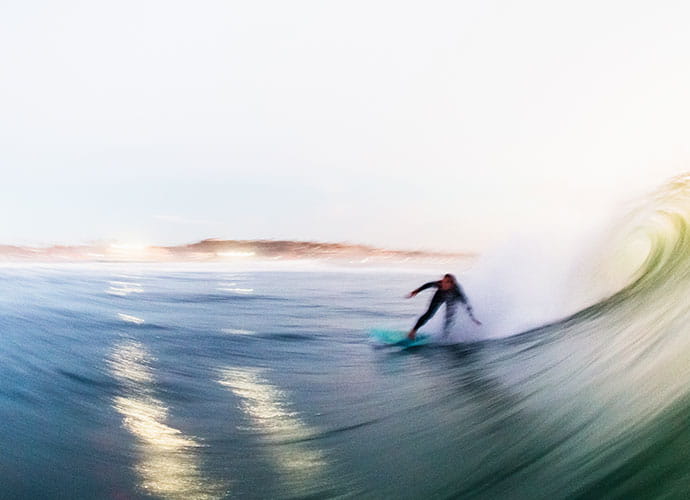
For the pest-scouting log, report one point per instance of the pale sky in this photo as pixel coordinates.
(434, 125)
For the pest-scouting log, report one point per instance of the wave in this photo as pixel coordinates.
(613, 378)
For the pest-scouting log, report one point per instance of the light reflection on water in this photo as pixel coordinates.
(168, 460)
(267, 407)
(123, 288)
(128, 318)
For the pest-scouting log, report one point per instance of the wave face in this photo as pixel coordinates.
(608, 387)
(143, 381)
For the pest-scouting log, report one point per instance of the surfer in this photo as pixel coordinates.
(447, 290)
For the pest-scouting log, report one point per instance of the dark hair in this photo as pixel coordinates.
(452, 278)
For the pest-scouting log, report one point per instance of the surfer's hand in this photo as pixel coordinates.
(411, 294)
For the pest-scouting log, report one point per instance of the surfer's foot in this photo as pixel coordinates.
(411, 334)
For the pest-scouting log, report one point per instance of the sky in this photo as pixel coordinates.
(419, 125)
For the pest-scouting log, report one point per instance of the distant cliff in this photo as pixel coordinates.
(297, 250)
(218, 250)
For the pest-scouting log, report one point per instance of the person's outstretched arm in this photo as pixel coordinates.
(463, 298)
(424, 287)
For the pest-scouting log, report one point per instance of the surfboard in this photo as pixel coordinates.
(399, 338)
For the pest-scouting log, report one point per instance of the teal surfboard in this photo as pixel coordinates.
(399, 338)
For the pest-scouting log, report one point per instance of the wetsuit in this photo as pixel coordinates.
(450, 297)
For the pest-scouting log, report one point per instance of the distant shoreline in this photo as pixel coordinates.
(214, 250)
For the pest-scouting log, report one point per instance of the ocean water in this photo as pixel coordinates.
(160, 381)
